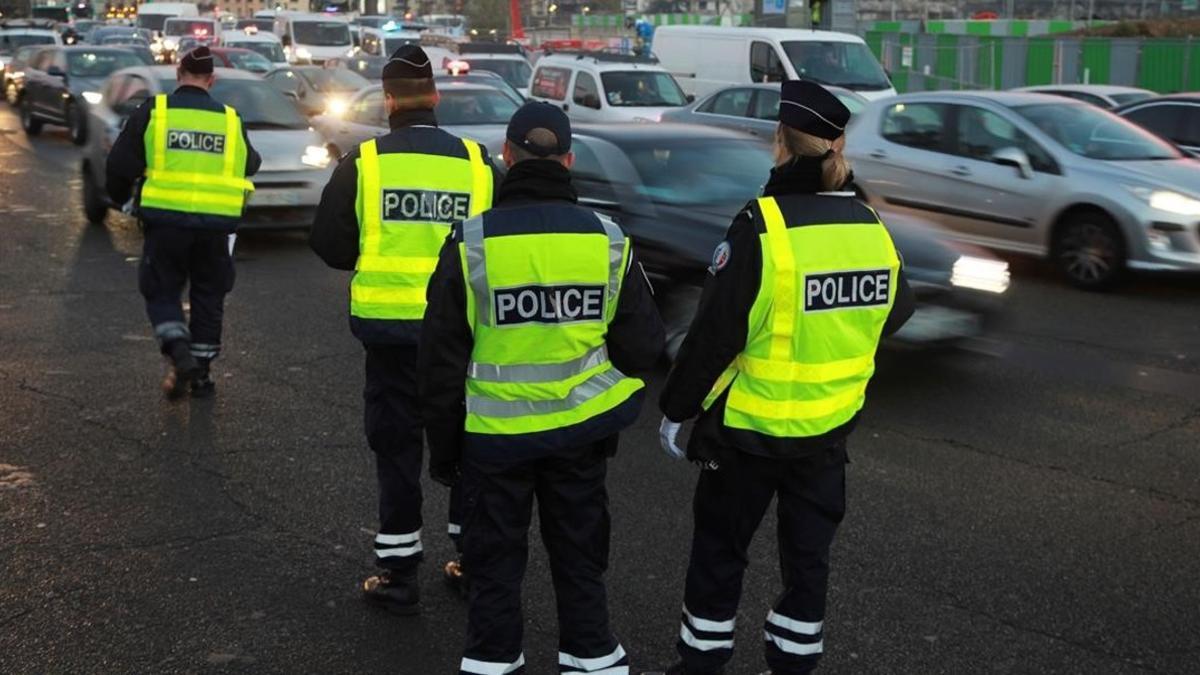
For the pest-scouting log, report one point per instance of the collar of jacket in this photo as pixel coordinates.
(800, 176)
(537, 180)
(191, 89)
(412, 118)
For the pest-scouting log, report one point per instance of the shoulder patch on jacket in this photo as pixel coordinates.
(721, 257)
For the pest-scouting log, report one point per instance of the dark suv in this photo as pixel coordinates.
(60, 82)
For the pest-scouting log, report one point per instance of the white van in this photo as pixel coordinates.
(600, 87)
(707, 58)
(313, 38)
(152, 15)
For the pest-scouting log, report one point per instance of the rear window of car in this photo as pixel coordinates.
(550, 83)
(917, 125)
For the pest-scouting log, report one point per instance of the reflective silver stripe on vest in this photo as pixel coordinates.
(477, 269)
(582, 393)
(616, 254)
(539, 372)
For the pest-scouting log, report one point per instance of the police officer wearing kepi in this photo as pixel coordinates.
(384, 214)
(538, 316)
(184, 159)
(776, 365)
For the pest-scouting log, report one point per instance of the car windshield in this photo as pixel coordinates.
(264, 25)
(687, 172)
(842, 64)
(474, 106)
(259, 107)
(251, 61)
(321, 33)
(394, 42)
(188, 27)
(640, 88)
(10, 42)
(151, 21)
(1096, 134)
(100, 63)
(327, 80)
(271, 51)
(515, 72)
(1133, 97)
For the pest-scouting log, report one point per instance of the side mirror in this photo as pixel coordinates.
(1016, 158)
(292, 95)
(55, 71)
(690, 98)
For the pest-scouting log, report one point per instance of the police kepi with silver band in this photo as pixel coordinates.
(776, 366)
(539, 319)
(384, 215)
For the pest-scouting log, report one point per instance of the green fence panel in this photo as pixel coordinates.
(900, 81)
(1161, 67)
(888, 26)
(935, 26)
(989, 66)
(1193, 71)
(1062, 26)
(981, 28)
(945, 63)
(1039, 65)
(1018, 28)
(874, 40)
(1096, 60)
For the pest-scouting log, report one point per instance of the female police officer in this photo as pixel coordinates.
(776, 364)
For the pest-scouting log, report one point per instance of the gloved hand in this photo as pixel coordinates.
(668, 432)
(446, 473)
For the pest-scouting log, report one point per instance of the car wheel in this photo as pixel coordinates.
(76, 124)
(94, 206)
(1089, 251)
(31, 124)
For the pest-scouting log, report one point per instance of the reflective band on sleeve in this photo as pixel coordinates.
(799, 627)
(373, 295)
(372, 225)
(757, 406)
(783, 305)
(582, 393)
(616, 254)
(541, 372)
(476, 667)
(396, 264)
(808, 373)
(160, 131)
(472, 230)
(710, 626)
(797, 648)
(481, 179)
(232, 138)
(702, 645)
(592, 664)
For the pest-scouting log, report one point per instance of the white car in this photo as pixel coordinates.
(1101, 95)
(380, 42)
(507, 61)
(295, 160)
(707, 58)
(12, 39)
(601, 87)
(266, 44)
(313, 38)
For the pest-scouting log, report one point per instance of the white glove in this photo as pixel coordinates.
(668, 431)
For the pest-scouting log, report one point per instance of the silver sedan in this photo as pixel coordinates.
(751, 108)
(1034, 174)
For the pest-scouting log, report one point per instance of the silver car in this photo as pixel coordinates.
(753, 108)
(1034, 174)
(295, 160)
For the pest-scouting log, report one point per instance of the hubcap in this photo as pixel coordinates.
(1088, 253)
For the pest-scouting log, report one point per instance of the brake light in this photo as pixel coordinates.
(458, 67)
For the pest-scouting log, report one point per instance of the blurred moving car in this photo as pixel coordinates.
(14, 72)
(295, 163)
(479, 112)
(317, 89)
(313, 38)
(14, 36)
(61, 82)
(84, 28)
(675, 189)
(101, 34)
(507, 61)
(262, 42)
(1175, 117)
(753, 108)
(1105, 96)
(602, 87)
(242, 59)
(384, 42)
(134, 44)
(1033, 174)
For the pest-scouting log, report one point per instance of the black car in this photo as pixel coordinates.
(1175, 118)
(14, 72)
(61, 81)
(675, 189)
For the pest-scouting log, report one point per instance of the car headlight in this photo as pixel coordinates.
(170, 45)
(92, 97)
(980, 274)
(336, 106)
(1167, 200)
(303, 54)
(316, 156)
(156, 47)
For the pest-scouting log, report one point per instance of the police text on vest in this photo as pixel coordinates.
(548, 304)
(844, 290)
(425, 206)
(195, 141)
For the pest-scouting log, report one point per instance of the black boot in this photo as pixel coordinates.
(456, 576)
(183, 369)
(396, 592)
(202, 384)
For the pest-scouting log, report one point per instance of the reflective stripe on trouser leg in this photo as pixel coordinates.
(205, 351)
(169, 331)
(793, 637)
(706, 635)
(477, 667)
(613, 663)
(398, 545)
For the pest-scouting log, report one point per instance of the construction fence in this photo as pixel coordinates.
(926, 62)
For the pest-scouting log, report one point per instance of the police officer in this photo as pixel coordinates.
(384, 214)
(190, 155)
(537, 312)
(776, 364)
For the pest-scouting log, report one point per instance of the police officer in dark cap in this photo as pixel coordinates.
(184, 159)
(776, 366)
(384, 214)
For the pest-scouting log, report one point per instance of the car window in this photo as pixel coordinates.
(286, 81)
(474, 106)
(917, 125)
(587, 174)
(368, 110)
(982, 133)
(766, 105)
(1082, 96)
(587, 93)
(100, 63)
(733, 102)
(1189, 135)
(634, 88)
(765, 64)
(1163, 120)
(550, 83)
(370, 44)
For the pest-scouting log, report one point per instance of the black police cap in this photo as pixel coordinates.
(409, 62)
(198, 61)
(540, 115)
(808, 107)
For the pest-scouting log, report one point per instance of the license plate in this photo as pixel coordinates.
(933, 322)
(274, 198)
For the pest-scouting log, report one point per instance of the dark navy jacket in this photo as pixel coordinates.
(335, 234)
(127, 161)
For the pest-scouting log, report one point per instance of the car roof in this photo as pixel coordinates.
(1100, 89)
(1009, 99)
(28, 31)
(782, 34)
(634, 132)
(1187, 96)
(168, 72)
(243, 36)
(588, 61)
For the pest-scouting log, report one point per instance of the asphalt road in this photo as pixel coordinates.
(1035, 509)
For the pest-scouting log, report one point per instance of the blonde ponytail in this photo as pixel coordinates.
(835, 169)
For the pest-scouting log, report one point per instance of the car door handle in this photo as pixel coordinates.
(961, 171)
(879, 154)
